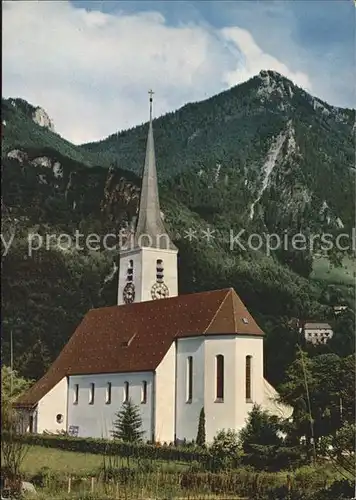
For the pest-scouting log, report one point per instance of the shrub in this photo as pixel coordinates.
(47, 478)
(146, 466)
(114, 448)
(225, 451)
(262, 444)
(196, 467)
(339, 490)
(309, 477)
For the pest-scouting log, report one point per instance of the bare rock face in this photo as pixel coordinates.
(57, 169)
(17, 154)
(42, 119)
(42, 161)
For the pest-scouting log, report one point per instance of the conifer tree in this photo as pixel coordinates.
(128, 424)
(201, 429)
(260, 439)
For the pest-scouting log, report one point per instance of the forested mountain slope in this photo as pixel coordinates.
(264, 156)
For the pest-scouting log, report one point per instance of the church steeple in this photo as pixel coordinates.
(148, 269)
(150, 230)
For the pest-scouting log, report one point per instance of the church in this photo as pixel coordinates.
(170, 354)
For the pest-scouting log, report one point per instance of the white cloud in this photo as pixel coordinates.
(254, 59)
(90, 71)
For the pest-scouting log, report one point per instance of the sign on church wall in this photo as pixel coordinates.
(73, 430)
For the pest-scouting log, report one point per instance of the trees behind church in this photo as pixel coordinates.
(46, 296)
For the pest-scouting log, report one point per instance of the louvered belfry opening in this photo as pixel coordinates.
(159, 271)
(130, 272)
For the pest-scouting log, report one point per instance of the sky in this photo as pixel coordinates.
(90, 64)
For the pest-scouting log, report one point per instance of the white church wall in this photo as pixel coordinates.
(149, 271)
(233, 411)
(219, 415)
(187, 412)
(248, 346)
(96, 419)
(165, 393)
(271, 404)
(52, 404)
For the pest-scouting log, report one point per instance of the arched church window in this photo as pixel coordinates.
(159, 271)
(144, 392)
(189, 379)
(130, 271)
(108, 393)
(219, 378)
(126, 392)
(76, 394)
(91, 394)
(248, 368)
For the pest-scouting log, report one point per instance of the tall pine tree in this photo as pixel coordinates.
(201, 429)
(128, 425)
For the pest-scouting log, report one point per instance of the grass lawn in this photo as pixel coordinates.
(60, 461)
(65, 463)
(68, 462)
(155, 485)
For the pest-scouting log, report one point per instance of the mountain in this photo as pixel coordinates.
(263, 140)
(28, 128)
(263, 157)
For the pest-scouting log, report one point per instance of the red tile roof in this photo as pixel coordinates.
(136, 337)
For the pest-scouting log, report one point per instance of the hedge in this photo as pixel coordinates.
(114, 448)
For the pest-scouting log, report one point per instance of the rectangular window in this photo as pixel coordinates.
(189, 379)
(76, 394)
(126, 392)
(144, 392)
(91, 394)
(220, 378)
(248, 378)
(108, 393)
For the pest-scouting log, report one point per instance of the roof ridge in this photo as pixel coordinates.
(174, 297)
(233, 308)
(218, 310)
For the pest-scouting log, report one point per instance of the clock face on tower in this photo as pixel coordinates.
(159, 291)
(129, 293)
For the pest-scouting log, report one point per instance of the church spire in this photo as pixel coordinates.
(150, 230)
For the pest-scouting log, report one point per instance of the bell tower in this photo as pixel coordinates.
(148, 270)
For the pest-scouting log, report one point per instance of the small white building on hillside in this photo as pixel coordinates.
(316, 332)
(170, 354)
